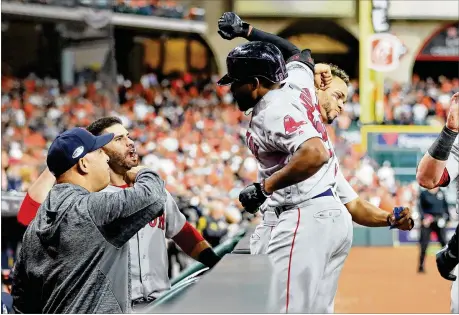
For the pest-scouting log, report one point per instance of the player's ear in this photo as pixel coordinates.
(255, 82)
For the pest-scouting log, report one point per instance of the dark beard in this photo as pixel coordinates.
(119, 164)
(330, 120)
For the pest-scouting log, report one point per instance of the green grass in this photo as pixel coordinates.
(433, 249)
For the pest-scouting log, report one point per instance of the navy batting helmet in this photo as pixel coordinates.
(254, 59)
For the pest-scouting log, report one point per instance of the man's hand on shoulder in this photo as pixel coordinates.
(230, 26)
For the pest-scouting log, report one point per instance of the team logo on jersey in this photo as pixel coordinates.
(291, 126)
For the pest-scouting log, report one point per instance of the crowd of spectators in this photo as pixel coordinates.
(189, 130)
(420, 102)
(160, 8)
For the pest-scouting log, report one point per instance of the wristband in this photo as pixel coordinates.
(441, 148)
(262, 185)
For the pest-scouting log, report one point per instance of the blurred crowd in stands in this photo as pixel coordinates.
(161, 8)
(417, 103)
(189, 130)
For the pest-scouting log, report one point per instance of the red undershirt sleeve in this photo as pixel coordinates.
(445, 179)
(190, 241)
(28, 210)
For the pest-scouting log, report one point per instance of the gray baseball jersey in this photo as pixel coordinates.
(262, 234)
(281, 122)
(148, 251)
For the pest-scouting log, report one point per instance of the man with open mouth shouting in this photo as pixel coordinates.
(148, 248)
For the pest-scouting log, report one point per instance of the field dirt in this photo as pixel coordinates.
(385, 280)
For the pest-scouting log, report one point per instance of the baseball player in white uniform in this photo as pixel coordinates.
(148, 248)
(438, 168)
(364, 213)
(298, 172)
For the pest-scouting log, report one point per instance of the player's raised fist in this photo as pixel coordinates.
(252, 197)
(452, 122)
(322, 76)
(231, 26)
(131, 175)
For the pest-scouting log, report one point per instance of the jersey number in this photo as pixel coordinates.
(306, 100)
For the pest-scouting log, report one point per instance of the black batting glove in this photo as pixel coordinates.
(231, 26)
(252, 197)
(446, 262)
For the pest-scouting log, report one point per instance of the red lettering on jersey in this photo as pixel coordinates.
(254, 148)
(306, 101)
(161, 222)
(290, 125)
(155, 222)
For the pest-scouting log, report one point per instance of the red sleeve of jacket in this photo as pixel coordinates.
(444, 180)
(28, 210)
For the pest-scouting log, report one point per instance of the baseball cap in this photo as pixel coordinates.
(72, 145)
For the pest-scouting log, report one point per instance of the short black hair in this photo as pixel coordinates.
(97, 127)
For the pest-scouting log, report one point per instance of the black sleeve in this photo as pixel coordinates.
(287, 48)
(453, 245)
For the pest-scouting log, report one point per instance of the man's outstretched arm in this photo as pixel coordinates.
(230, 26)
(365, 213)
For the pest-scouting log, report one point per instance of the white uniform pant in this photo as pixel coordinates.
(260, 238)
(308, 248)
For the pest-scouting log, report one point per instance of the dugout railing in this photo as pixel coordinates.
(237, 278)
